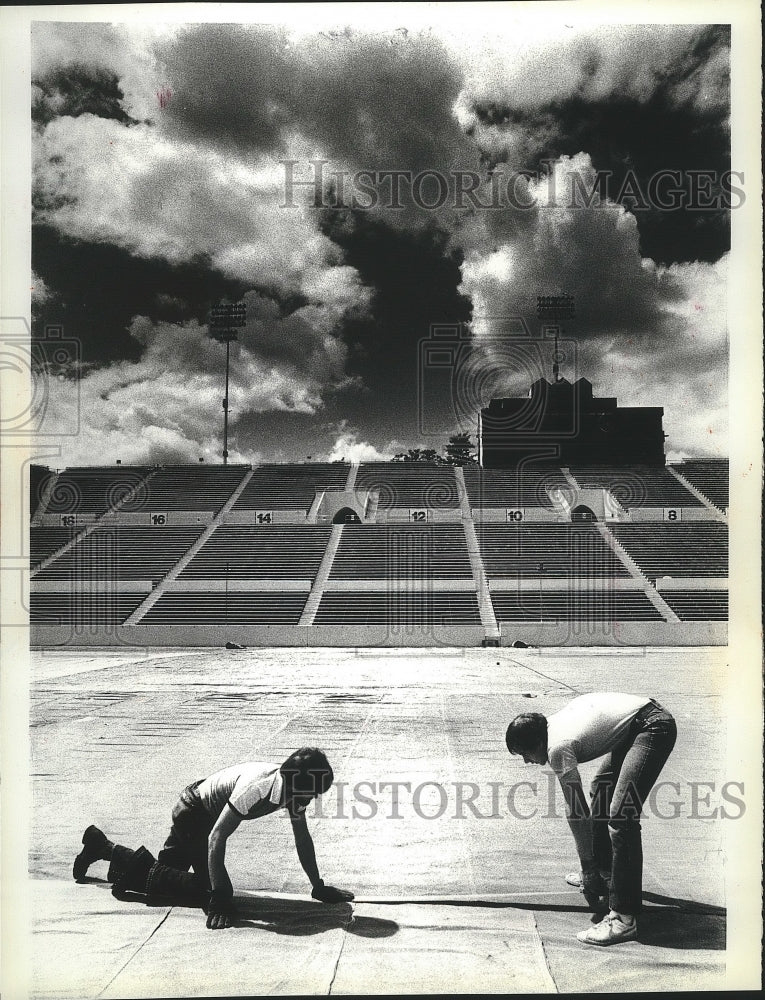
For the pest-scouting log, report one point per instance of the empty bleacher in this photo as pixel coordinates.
(684, 549)
(188, 488)
(235, 608)
(525, 487)
(82, 608)
(43, 542)
(398, 609)
(122, 553)
(405, 552)
(39, 477)
(261, 552)
(573, 605)
(291, 487)
(416, 485)
(90, 492)
(565, 567)
(546, 550)
(710, 477)
(698, 605)
(638, 486)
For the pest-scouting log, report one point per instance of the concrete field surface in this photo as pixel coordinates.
(457, 853)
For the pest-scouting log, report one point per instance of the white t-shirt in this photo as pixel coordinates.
(252, 789)
(589, 727)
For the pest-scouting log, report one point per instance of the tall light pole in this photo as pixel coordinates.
(224, 321)
(556, 308)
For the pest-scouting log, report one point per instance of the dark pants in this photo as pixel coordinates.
(186, 844)
(619, 791)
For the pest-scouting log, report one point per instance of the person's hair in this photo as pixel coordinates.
(307, 772)
(525, 732)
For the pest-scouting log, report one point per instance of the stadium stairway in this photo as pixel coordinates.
(719, 515)
(172, 575)
(485, 604)
(89, 528)
(636, 573)
(388, 576)
(47, 493)
(322, 575)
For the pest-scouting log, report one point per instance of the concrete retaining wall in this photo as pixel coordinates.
(563, 634)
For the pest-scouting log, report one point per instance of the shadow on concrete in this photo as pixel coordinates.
(299, 918)
(296, 917)
(682, 923)
(673, 928)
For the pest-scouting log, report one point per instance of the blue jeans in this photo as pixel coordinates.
(186, 844)
(619, 790)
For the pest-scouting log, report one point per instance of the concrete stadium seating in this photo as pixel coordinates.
(638, 486)
(573, 605)
(406, 552)
(235, 608)
(259, 552)
(452, 572)
(122, 553)
(416, 485)
(698, 605)
(710, 477)
(93, 491)
(509, 488)
(187, 487)
(82, 608)
(694, 549)
(43, 542)
(398, 608)
(274, 487)
(550, 550)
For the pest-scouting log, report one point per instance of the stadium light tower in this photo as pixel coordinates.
(224, 321)
(556, 308)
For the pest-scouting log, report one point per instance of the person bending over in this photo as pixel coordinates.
(203, 819)
(636, 735)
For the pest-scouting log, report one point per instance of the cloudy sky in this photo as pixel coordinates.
(160, 189)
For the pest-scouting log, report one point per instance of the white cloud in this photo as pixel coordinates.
(648, 334)
(167, 406)
(101, 181)
(347, 447)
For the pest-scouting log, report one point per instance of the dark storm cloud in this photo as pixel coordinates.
(675, 119)
(374, 101)
(339, 302)
(95, 289)
(77, 89)
(415, 277)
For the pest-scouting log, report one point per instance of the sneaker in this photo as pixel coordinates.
(610, 930)
(575, 879)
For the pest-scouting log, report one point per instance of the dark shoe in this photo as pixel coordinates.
(136, 873)
(95, 846)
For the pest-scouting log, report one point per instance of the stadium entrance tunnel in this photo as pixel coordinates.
(346, 516)
(583, 513)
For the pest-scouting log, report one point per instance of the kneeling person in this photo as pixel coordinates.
(637, 736)
(205, 816)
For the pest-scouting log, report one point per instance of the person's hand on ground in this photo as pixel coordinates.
(329, 894)
(221, 911)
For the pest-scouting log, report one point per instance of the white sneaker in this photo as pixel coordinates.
(575, 879)
(611, 930)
